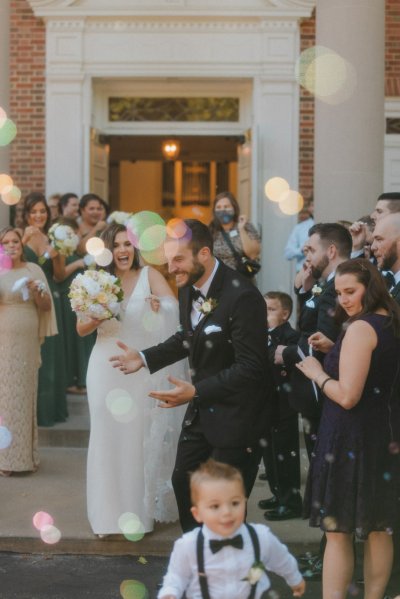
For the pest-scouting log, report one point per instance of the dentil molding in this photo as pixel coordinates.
(210, 8)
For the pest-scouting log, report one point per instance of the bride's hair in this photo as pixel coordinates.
(108, 236)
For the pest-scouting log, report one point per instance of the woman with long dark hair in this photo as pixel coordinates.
(52, 399)
(354, 480)
(132, 441)
(230, 228)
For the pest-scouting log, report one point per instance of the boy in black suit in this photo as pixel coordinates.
(282, 454)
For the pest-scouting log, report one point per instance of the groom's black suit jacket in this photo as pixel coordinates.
(229, 360)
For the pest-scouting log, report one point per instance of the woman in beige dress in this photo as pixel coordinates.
(26, 317)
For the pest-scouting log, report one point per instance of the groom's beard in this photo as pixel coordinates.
(195, 274)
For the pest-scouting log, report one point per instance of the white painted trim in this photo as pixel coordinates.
(392, 108)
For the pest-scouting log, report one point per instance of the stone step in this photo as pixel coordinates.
(59, 488)
(72, 433)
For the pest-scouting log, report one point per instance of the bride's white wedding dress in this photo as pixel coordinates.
(132, 442)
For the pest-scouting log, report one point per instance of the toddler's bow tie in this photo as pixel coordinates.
(216, 545)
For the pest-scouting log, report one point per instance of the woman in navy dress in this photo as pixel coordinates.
(353, 486)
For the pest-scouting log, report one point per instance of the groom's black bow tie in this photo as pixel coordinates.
(196, 294)
(216, 545)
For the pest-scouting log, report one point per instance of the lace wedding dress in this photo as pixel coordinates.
(133, 442)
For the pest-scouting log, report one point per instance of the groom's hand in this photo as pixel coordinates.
(182, 393)
(128, 362)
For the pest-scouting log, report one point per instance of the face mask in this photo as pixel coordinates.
(224, 216)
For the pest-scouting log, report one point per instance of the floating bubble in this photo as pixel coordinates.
(276, 189)
(50, 534)
(293, 454)
(326, 74)
(95, 246)
(5, 437)
(105, 258)
(330, 458)
(133, 589)
(209, 344)
(11, 195)
(3, 117)
(280, 457)
(377, 390)
(8, 131)
(176, 228)
(42, 519)
(5, 261)
(138, 223)
(394, 448)
(353, 590)
(351, 455)
(152, 321)
(121, 405)
(5, 181)
(131, 526)
(292, 202)
(387, 476)
(329, 523)
(152, 238)
(235, 282)
(263, 443)
(273, 594)
(199, 212)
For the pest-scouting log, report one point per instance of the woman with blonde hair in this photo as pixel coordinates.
(26, 318)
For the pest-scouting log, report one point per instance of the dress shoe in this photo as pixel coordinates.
(268, 504)
(282, 513)
(314, 571)
(306, 559)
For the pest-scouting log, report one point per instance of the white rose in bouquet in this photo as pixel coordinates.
(97, 294)
(118, 217)
(63, 239)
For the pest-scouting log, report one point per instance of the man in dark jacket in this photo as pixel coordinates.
(222, 317)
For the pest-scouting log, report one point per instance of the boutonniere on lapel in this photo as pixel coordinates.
(208, 306)
(255, 573)
(316, 290)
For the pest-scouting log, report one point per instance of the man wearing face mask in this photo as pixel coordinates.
(233, 236)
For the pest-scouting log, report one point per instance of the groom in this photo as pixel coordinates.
(223, 332)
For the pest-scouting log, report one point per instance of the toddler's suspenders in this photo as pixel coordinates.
(200, 561)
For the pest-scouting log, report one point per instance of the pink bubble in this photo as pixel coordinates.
(5, 261)
(133, 238)
(42, 519)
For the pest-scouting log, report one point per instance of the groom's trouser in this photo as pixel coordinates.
(193, 450)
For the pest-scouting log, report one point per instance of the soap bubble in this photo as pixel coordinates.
(95, 246)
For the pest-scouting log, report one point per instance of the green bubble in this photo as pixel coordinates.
(121, 405)
(133, 589)
(131, 526)
(7, 132)
(138, 223)
(152, 238)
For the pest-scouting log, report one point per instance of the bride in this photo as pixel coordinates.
(132, 442)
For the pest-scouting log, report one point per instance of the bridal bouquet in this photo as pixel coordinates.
(97, 294)
(63, 239)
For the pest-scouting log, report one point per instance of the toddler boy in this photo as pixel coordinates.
(225, 557)
(282, 454)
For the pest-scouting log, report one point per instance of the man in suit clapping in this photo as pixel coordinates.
(222, 331)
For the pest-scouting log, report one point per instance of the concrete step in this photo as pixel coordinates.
(72, 433)
(59, 488)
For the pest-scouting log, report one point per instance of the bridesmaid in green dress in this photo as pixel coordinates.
(52, 402)
(77, 349)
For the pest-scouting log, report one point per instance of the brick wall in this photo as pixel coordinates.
(27, 97)
(392, 58)
(306, 119)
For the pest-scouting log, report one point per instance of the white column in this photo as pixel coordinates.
(4, 94)
(349, 136)
(276, 111)
(64, 136)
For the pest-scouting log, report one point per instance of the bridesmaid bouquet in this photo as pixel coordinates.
(63, 239)
(96, 294)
